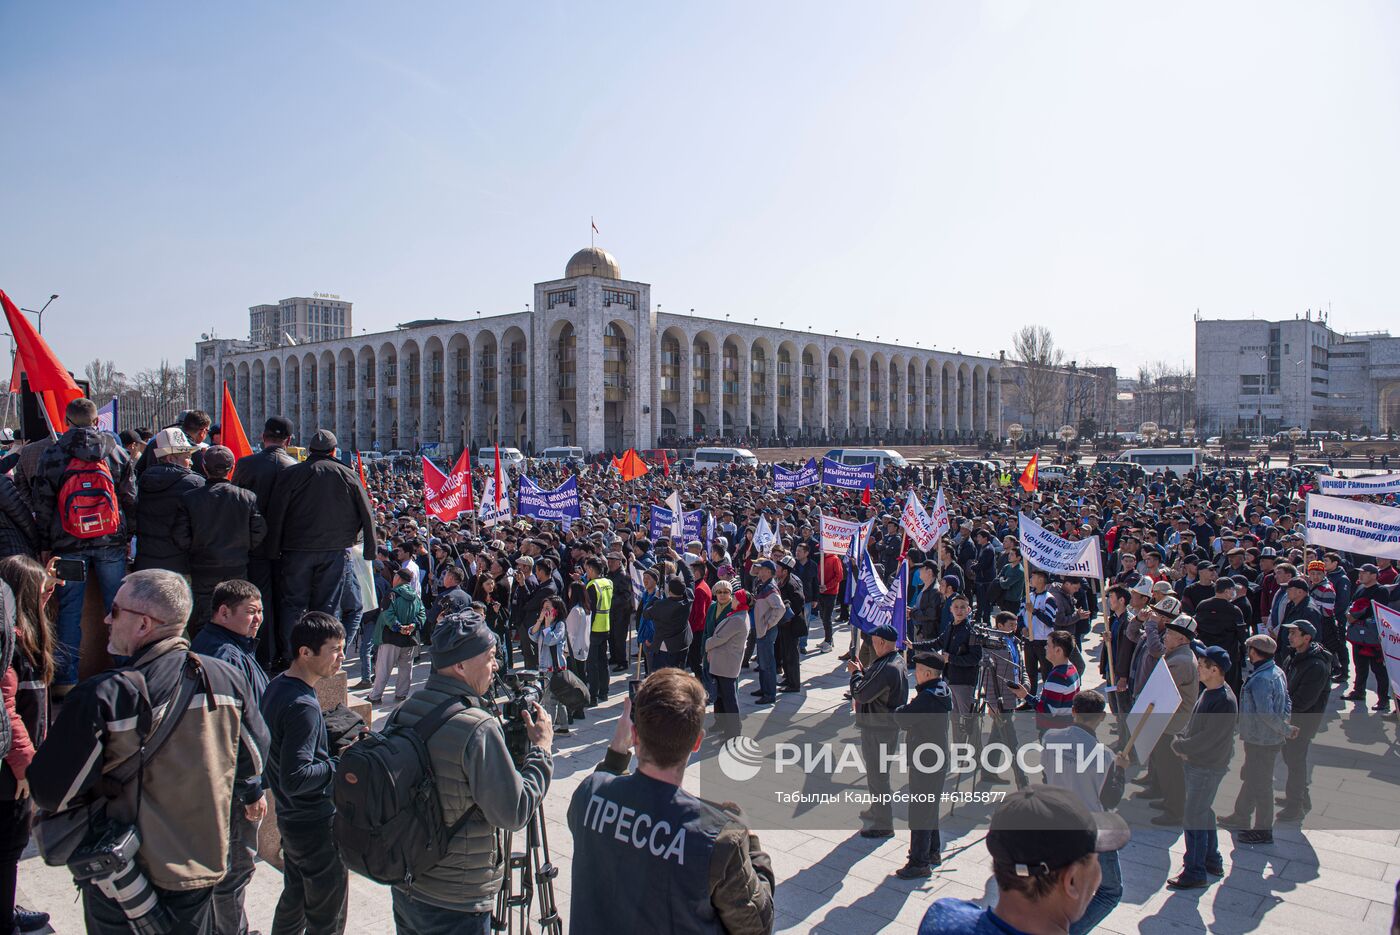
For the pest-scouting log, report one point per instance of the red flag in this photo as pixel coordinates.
(865, 497)
(1029, 481)
(231, 432)
(47, 377)
(447, 496)
(631, 466)
(364, 482)
(665, 465)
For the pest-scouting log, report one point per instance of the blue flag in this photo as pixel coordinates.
(874, 604)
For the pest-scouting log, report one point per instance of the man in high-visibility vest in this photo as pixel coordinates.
(598, 596)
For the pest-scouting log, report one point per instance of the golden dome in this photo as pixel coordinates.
(592, 261)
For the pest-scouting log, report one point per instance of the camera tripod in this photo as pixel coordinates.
(536, 870)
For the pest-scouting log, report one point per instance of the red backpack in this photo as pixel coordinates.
(87, 499)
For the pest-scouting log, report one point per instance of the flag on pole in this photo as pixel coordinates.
(764, 538)
(364, 482)
(630, 465)
(665, 465)
(594, 226)
(447, 496)
(231, 432)
(1028, 480)
(673, 503)
(47, 377)
(107, 417)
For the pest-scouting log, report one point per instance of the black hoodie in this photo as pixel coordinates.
(89, 444)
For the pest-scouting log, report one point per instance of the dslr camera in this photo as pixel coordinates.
(108, 861)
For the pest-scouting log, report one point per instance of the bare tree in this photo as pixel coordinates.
(1033, 347)
(104, 379)
(156, 396)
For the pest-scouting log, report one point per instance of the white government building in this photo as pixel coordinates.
(592, 363)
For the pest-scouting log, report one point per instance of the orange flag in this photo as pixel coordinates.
(47, 377)
(1028, 477)
(364, 482)
(665, 465)
(231, 434)
(631, 466)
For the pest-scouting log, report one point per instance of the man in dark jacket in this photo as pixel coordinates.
(104, 555)
(622, 608)
(318, 510)
(159, 490)
(928, 612)
(791, 632)
(231, 637)
(195, 425)
(877, 691)
(1309, 673)
(259, 472)
(217, 527)
(1219, 622)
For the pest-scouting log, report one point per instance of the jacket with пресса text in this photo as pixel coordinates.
(187, 788)
(91, 445)
(318, 506)
(712, 873)
(219, 526)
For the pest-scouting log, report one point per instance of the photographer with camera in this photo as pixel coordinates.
(704, 871)
(478, 784)
(139, 771)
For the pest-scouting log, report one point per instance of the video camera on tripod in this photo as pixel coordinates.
(520, 690)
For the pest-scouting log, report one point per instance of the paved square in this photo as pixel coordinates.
(836, 882)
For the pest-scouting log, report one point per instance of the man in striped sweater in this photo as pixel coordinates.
(1054, 704)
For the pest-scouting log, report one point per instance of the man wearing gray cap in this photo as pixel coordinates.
(318, 509)
(474, 772)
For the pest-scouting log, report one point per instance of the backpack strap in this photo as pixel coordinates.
(192, 677)
(429, 725)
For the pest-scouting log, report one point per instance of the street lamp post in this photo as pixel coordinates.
(41, 311)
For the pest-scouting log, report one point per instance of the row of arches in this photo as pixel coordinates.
(399, 394)
(729, 384)
(599, 387)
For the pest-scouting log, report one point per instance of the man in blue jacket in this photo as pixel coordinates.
(1264, 712)
(232, 636)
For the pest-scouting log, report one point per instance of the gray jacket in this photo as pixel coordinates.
(1265, 706)
(474, 770)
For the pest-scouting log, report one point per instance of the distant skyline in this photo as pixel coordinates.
(942, 172)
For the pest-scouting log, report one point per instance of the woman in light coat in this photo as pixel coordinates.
(724, 652)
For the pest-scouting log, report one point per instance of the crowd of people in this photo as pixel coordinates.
(233, 587)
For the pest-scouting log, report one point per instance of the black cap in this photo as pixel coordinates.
(1043, 828)
(885, 632)
(129, 437)
(1300, 583)
(277, 427)
(1369, 567)
(1305, 626)
(323, 442)
(932, 660)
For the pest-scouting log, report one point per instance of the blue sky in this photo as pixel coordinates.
(945, 171)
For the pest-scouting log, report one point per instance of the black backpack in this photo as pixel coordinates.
(388, 819)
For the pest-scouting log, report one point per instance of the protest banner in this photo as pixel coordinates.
(559, 505)
(661, 525)
(848, 476)
(836, 534)
(1388, 623)
(1153, 709)
(1353, 526)
(786, 481)
(1058, 556)
(874, 604)
(1377, 485)
(447, 496)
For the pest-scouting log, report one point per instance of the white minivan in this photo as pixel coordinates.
(510, 458)
(558, 453)
(709, 458)
(881, 456)
(1180, 461)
